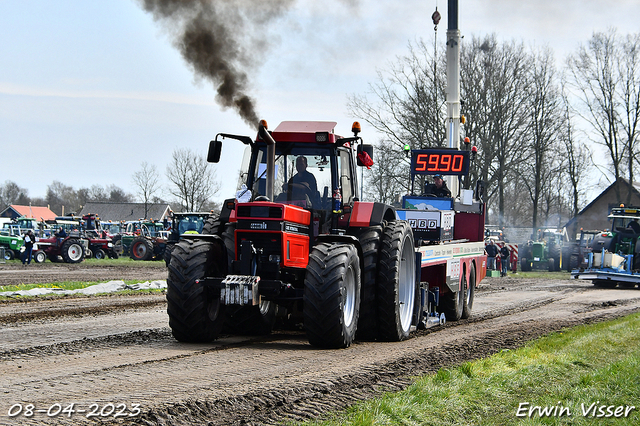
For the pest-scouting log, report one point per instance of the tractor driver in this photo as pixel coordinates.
(438, 188)
(302, 183)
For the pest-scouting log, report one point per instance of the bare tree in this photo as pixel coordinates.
(577, 158)
(11, 193)
(545, 125)
(192, 178)
(495, 82)
(407, 100)
(146, 181)
(629, 70)
(595, 80)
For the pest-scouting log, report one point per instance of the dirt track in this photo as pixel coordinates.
(119, 350)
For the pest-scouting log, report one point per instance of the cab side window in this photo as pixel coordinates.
(346, 182)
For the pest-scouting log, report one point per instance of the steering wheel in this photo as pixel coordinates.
(298, 187)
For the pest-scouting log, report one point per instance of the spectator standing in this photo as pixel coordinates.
(29, 239)
(492, 251)
(505, 255)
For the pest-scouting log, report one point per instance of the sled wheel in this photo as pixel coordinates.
(469, 293)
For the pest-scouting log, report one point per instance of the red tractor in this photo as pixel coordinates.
(297, 248)
(70, 248)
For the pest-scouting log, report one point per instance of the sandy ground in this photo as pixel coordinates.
(114, 358)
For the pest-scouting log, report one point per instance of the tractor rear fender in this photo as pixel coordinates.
(348, 239)
(208, 238)
(371, 214)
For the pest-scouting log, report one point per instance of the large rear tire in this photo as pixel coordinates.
(141, 249)
(72, 251)
(397, 289)
(195, 315)
(166, 255)
(332, 295)
(469, 293)
(212, 226)
(370, 242)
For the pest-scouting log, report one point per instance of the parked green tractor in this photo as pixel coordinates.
(183, 223)
(11, 243)
(546, 252)
(142, 240)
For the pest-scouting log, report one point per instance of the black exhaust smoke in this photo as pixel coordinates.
(221, 40)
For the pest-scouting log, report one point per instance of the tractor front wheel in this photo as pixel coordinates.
(397, 289)
(99, 254)
(9, 254)
(195, 314)
(141, 249)
(39, 256)
(332, 295)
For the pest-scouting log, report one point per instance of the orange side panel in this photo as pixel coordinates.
(295, 249)
(361, 214)
(296, 215)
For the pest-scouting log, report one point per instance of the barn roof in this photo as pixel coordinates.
(116, 212)
(39, 213)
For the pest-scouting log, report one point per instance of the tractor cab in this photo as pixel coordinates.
(313, 170)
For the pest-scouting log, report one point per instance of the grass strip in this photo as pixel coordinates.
(65, 285)
(576, 377)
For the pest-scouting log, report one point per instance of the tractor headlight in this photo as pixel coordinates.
(109, 245)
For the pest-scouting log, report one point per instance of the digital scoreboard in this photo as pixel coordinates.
(439, 161)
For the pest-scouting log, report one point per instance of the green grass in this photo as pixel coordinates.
(584, 365)
(559, 275)
(124, 261)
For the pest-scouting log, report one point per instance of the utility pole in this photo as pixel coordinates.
(453, 88)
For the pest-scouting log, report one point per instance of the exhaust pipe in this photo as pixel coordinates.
(271, 157)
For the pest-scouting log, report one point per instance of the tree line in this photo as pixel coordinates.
(535, 125)
(191, 186)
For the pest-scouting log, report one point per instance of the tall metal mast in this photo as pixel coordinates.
(453, 87)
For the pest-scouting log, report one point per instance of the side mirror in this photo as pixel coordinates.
(215, 148)
(368, 149)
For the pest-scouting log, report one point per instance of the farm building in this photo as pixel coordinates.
(15, 211)
(117, 212)
(594, 215)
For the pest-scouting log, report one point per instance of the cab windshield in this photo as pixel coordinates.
(302, 174)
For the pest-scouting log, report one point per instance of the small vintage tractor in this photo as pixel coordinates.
(12, 243)
(100, 245)
(144, 240)
(578, 251)
(71, 249)
(546, 252)
(183, 223)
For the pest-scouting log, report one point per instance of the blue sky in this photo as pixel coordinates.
(90, 89)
